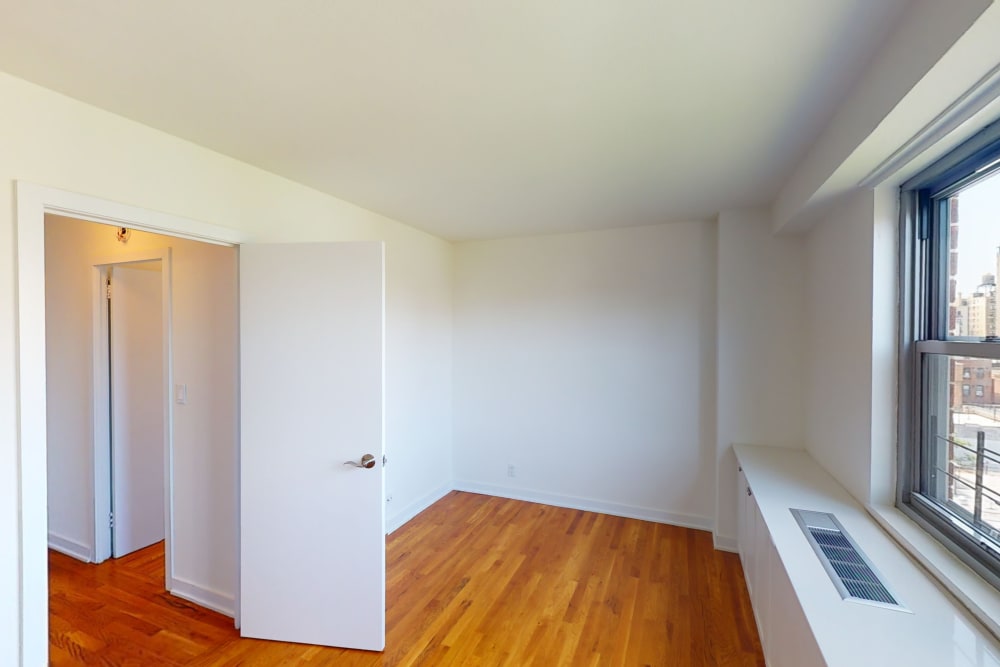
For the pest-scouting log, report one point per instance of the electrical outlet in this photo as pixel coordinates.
(511, 470)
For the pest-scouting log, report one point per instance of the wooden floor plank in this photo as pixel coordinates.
(473, 580)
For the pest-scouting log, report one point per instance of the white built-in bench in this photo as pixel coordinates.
(801, 617)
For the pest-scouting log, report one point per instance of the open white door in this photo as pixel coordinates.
(137, 400)
(312, 543)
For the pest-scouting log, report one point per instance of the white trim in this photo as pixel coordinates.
(71, 548)
(237, 426)
(94, 209)
(132, 257)
(32, 482)
(400, 519)
(723, 543)
(101, 393)
(588, 505)
(203, 597)
(32, 202)
(100, 427)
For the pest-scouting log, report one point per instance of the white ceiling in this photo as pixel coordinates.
(474, 119)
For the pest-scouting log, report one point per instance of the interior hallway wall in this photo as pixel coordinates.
(205, 334)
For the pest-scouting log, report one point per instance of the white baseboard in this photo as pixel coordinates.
(204, 597)
(723, 543)
(399, 519)
(588, 505)
(71, 548)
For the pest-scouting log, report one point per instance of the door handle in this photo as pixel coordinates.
(367, 461)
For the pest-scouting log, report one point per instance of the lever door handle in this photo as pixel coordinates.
(367, 461)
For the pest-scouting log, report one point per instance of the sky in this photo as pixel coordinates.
(978, 232)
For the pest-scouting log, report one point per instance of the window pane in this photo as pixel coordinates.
(962, 439)
(973, 260)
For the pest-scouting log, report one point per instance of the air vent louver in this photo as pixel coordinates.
(850, 570)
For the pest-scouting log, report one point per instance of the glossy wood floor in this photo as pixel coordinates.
(473, 580)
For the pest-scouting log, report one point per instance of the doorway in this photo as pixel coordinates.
(197, 319)
(211, 493)
(108, 365)
(131, 391)
(33, 203)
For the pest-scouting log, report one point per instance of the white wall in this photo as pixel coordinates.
(884, 345)
(761, 321)
(58, 142)
(839, 284)
(587, 361)
(418, 369)
(205, 331)
(68, 299)
(851, 365)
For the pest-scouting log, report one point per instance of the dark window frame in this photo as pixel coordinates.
(923, 330)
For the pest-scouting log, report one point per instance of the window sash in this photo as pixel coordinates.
(947, 522)
(923, 330)
(958, 348)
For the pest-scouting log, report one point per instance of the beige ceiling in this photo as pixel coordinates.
(474, 119)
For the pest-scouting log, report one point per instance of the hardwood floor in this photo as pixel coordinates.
(473, 580)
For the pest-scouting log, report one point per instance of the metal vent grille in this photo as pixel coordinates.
(850, 570)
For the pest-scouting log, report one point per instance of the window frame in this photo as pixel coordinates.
(923, 330)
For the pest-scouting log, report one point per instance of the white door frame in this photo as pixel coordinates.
(102, 404)
(33, 202)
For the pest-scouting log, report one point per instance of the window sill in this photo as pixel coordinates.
(981, 599)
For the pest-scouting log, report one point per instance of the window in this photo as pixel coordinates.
(949, 441)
